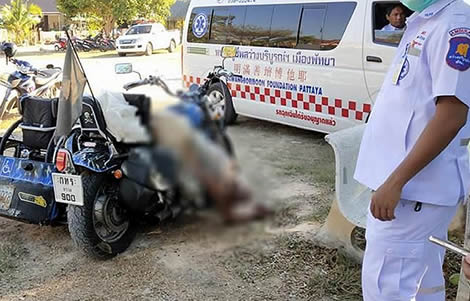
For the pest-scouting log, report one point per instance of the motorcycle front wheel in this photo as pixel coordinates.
(101, 228)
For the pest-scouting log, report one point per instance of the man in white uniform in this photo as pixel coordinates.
(395, 15)
(414, 154)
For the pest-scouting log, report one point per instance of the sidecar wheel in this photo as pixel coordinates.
(101, 228)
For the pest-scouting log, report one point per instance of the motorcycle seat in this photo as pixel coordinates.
(45, 76)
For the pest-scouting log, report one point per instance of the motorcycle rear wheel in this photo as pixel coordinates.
(101, 228)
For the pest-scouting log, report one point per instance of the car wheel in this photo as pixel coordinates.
(149, 49)
(172, 46)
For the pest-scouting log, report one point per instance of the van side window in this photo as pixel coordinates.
(218, 32)
(305, 26)
(285, 26)
(380, 34)
(311, 28)
(337, 19)
(235, 25)
(257, 25)
(203, 35)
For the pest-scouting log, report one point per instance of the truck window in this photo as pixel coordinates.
(381, 34)
(285, 26)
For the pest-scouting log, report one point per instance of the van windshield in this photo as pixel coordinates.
(139, 30)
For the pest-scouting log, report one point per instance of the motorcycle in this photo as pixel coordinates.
(109, 185)
(28, 80)
(60, 44)
(97, 184)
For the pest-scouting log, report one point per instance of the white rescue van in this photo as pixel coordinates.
(311, 64)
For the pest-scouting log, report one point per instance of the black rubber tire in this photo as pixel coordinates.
(122, 54)
(172, 46)
(57, 48)
(4, 140)
(81, 223)
(148, 49)
(230, 116)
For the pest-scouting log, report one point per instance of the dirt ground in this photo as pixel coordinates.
(195, 257)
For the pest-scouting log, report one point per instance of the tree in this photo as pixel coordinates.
(111, 11)
(19, 19)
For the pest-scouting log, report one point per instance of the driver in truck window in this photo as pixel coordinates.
(396, 17)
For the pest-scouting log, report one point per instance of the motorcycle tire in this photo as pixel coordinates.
(88, 224)
(230, 116)
(4, 142)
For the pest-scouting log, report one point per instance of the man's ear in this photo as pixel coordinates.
(388, 18)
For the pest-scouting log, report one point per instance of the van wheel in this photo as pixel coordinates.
(149, 49)
(101, 228)
(121, 54)
(172, 46)
(220, 96)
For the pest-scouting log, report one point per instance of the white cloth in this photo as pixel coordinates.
(121, 119)
(400, 263)
(390, 27)
(432, 60)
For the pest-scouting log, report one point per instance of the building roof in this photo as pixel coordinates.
(47, 6)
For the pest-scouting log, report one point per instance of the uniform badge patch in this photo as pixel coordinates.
(458, 56)
(405, 69)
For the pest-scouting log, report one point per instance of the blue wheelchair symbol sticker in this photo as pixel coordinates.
(200, 25)
(7, 167)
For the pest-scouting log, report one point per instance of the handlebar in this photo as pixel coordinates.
(151, 80)
(219, 71)
(136, 84)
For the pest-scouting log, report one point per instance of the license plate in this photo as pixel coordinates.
(68, 189)
(6, 195)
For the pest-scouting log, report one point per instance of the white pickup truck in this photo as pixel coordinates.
(145, 38)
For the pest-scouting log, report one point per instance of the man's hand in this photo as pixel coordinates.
(384, 201)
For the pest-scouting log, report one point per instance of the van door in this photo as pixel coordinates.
(379, 45)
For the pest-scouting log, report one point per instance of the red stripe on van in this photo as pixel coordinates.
(305, 101)
(338, 103)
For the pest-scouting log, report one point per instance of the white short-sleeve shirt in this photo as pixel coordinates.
(390, 27)
(433, 59)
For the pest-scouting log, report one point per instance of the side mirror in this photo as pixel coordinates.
(229, 52)
(50, 66)
(124, 68)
